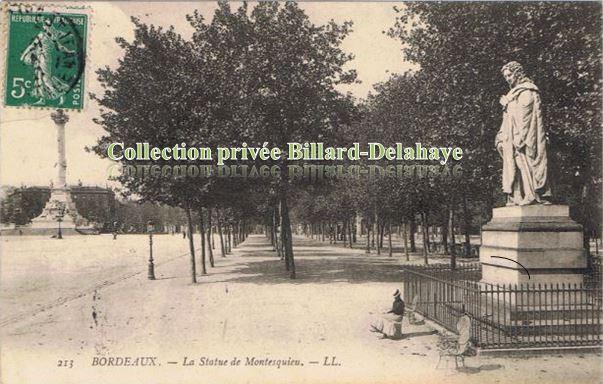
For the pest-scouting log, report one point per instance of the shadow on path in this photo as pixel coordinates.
(418, 334)
(484, 367)
(327, 265)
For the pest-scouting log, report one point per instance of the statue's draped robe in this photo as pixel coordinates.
(523, 142)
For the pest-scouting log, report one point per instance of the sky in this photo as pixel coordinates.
(28, 153)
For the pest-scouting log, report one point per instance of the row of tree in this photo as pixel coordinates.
(453, 100)
(265, 75)
(269, 76)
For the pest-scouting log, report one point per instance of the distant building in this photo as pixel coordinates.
(96, 204)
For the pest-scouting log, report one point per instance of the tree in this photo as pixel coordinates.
(461, 47)
(147, 102)
(285, 70)
(21, 205)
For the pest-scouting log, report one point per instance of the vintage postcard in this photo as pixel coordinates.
(300, 192)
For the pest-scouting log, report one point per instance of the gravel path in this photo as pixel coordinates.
(245, 322)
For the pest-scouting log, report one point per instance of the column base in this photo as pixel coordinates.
(48, 220)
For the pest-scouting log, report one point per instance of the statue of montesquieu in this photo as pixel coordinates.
(521, 141)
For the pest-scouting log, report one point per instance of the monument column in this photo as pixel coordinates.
(60, 118)
(60, 206)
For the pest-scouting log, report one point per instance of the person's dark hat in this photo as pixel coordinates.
(397, 293)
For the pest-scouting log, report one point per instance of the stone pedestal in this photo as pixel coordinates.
(59, 205)
(542, 238)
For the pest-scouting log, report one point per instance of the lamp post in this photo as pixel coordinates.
(60, 213)
(150, 228)
(60, 235)
(17, 218)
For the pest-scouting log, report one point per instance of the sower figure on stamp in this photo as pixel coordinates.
(521, 141)
(39, 54)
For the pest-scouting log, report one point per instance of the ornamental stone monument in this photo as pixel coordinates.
(529, 232)
(60, 208)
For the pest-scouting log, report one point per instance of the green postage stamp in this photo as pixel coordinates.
(46, 55)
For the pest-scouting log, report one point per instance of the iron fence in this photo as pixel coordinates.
(592, 278)
(506, 316)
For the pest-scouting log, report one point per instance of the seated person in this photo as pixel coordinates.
(397, 312)
(394, 317)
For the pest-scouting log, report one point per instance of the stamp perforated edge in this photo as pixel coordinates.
(5, 7)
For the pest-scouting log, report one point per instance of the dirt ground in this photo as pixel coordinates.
(70, 308)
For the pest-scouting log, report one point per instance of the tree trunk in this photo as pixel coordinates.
(425, 240)
(373, 230)
(584, 195)
(355, 233)
(350, 237)
(220, 233)
(413, 230)
(284, 241)
(275, 224)
(235, 238)
(466, 227)
(241, 231)
(452, 225)
(272, 237)
(452, 239)
(368, 239)
(389, 237)
(426, 232)
(406, 241)
(281, 246)
(229, 239)
(444, 228)
(287, 231)
(191, 244)
(211, 230)
(376, 234)
(202, 233)
(335, 232)
(585, 220)
(208, 232)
